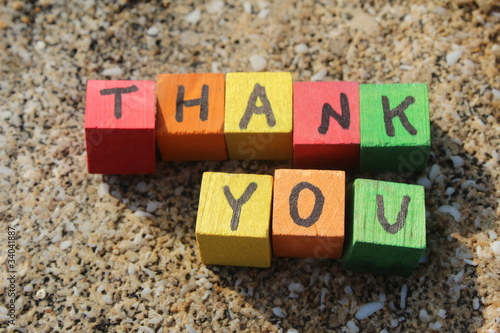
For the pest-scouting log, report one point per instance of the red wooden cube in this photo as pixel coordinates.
(326, 125)
(120, 126)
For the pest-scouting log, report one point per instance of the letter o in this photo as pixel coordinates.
(317, 209)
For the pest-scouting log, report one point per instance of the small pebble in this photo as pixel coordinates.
(495, 247)
(496, 93)
(457, 161)
(436, 326)
(447, 209)
(153, 31)
(264, 13)
(425, 182)
(103, 189)
(495, 49)
(440, 10)
(194, 16)
(319, 75)
(435, 172)
(40, 45)
(404, 292)
(475, 303)
(247, 7)
(190, 329)
(424, 316)
(18, 5)
(352, 326)
(107, 299)
(140, 213)
(6, 171)
(141, 187)
(449, 191)
(153, 206)
(3, 24)
(146, 292)
(215, 6)
(301, 48)
(279, 312)
(66, 244)
(367, 310)
(113, 71)
(258, 63)
(40, 294)
(453, 57)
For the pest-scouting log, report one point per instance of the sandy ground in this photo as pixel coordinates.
(118, 253)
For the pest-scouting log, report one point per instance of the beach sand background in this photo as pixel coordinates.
(118, 253)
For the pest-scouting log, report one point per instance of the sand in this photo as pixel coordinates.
(118, 253)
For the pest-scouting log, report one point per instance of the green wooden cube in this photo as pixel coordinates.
(395, 127)
(387, 230)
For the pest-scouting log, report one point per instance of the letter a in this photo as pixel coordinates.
(252, 108)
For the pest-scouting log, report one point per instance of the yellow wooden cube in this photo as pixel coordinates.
(233, 223)
(258, 117)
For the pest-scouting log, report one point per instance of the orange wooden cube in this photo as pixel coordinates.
(190, 124)
(308, 213)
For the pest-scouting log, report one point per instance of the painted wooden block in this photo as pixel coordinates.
(308, 213)
(395, 127)
(387, 233)
(258, 119)
(190, 124)
(233, 223)
(120, 126)
(326, 125)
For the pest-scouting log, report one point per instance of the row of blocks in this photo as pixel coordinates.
(196, 117)
(243, 219)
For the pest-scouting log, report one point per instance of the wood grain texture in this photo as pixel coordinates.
(120, 126)
(190, 124)
(387, 231)
(308, 213)
(395, 127)
(326, 125)
(224, 240)
(258, 119)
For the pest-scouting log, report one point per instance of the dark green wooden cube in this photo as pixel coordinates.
(395, 127)
(386, 233)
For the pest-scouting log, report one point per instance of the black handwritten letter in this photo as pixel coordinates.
(344, 120)
(318, 204)
(236, 204)
(400, 220)
(118, 97)
(398, 111)
(258, 92)
(180, 103)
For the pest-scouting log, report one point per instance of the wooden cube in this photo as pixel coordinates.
(233, 223)
(326, 125)
(387, 230)
(395, 127)
(190, 123)
(120, 126)
(258, 119)
(308, 213)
